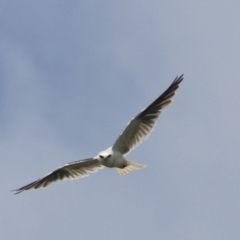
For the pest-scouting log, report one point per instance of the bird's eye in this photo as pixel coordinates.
(101, 156)
(109, 156)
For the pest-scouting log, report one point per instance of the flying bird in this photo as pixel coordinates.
(135, 132)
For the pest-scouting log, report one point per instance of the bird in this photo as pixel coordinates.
(138, 129)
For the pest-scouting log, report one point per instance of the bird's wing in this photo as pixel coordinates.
(140, 126)
(72, 170)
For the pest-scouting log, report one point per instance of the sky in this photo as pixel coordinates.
(73, 73)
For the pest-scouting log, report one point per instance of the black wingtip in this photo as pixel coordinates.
(179, 79)
(16, 191)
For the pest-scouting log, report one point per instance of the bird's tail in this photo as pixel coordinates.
(130, 167)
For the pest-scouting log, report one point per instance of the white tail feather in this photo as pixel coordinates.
(130, 167)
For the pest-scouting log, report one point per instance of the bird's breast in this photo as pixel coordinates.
(114, 161)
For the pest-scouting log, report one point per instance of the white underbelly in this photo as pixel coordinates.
(113, 162)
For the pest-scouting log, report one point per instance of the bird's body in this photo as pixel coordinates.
(136, 131)
(111, 159)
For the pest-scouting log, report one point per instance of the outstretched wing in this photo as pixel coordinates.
(72, 170)
(140, 127)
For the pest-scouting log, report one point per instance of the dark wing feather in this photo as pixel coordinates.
(140, 126)
(72, 170)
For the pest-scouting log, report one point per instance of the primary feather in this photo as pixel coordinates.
(73, 170)
(140, 126)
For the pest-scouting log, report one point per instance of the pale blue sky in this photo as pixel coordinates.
(73, 73)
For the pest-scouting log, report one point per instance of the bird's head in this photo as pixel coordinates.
(104, 155)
